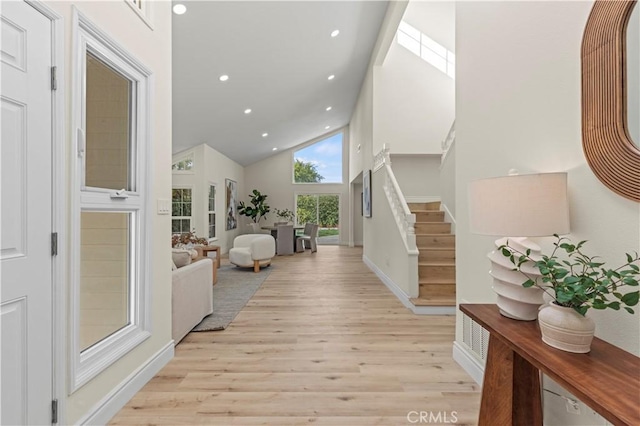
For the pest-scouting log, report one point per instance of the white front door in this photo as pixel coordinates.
(25, 233)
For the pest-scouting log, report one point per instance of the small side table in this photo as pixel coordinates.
(202, 254)
(207, 249)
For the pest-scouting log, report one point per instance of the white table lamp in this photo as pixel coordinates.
(518, 206)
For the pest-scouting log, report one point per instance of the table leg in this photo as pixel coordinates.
(511, 389)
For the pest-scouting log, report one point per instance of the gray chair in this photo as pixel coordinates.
(284, 242)
(256, 229)
(310, 235)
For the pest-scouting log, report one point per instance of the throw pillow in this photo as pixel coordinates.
(181, 257)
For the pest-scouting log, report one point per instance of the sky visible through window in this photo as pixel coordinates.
(326, 156)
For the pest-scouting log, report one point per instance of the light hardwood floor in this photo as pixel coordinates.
(322, 342)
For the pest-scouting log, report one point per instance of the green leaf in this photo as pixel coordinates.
(631, 311)
(571, 280)
(582, 309)
(528, 283)
(631, 299)
(614, 305)
(629, 281)
(629, 258)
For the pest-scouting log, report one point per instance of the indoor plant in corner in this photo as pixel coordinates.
(258, 207)
(576, 284)
(285, 216)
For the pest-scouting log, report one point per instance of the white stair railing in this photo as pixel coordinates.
(448, 141)
(405, 220)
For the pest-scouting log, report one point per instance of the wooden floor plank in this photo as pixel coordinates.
(322, 342)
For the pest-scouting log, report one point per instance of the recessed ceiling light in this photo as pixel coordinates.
(335, 33)
(328, 108)
(264, 135)
(179, 9)
(327, 127)
(274, 149)
(331, 77)
(247, 111)
(224, 77)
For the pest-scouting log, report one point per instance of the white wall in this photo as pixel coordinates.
(210, 167)
(518, 106)
(356, 209)
(417, 175)
(361, 129)
(413, 101)
(218, 167)
(273, 176)
(153, 48)
(633, 75)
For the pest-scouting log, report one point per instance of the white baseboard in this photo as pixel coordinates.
(404, 297)
(448, 217)
(113, 402)
(421, 198)
(468, 362)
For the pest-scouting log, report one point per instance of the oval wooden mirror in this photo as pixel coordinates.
(609, 149)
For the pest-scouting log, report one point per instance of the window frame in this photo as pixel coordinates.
(318, 194)
(86, 364)
(214, 212)
(321, 138)
(145, 12)
(190, 218)
(190, 171)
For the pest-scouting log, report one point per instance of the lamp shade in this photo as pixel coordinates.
(533, 205)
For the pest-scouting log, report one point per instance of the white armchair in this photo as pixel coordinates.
(253, 250)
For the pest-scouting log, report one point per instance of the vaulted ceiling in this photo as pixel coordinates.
(278, 56)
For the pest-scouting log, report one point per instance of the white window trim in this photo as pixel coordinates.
(191, 171)
(146, 13)
(85, 365)
(212, 239)
(345, 158)
(182, 217)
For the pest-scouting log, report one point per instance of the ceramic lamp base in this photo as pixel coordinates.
(514, 300)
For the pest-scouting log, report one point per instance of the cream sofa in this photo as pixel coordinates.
(191, 297)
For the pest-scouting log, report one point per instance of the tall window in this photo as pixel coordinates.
(322, 209)
(110, 195)
(181, 210)
(212, 211)
(320, 162)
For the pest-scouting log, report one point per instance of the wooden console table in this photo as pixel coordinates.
(607, 379)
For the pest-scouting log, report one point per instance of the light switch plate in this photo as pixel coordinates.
(164, 206)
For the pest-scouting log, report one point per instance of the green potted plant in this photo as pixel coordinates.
(285, 216)
(575, 284)
(258, 208)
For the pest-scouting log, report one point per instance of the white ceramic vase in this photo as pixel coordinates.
(565, 329)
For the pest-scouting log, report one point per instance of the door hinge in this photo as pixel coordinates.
(54, 411)
(54, 78)
(54, 244)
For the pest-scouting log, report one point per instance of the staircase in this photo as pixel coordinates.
(437, 259)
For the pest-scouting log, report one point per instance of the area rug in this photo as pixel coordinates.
(233, 290)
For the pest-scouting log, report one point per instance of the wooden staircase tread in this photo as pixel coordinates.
(438, 248)
(434, 301)
(437, 281)
(439, 262)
